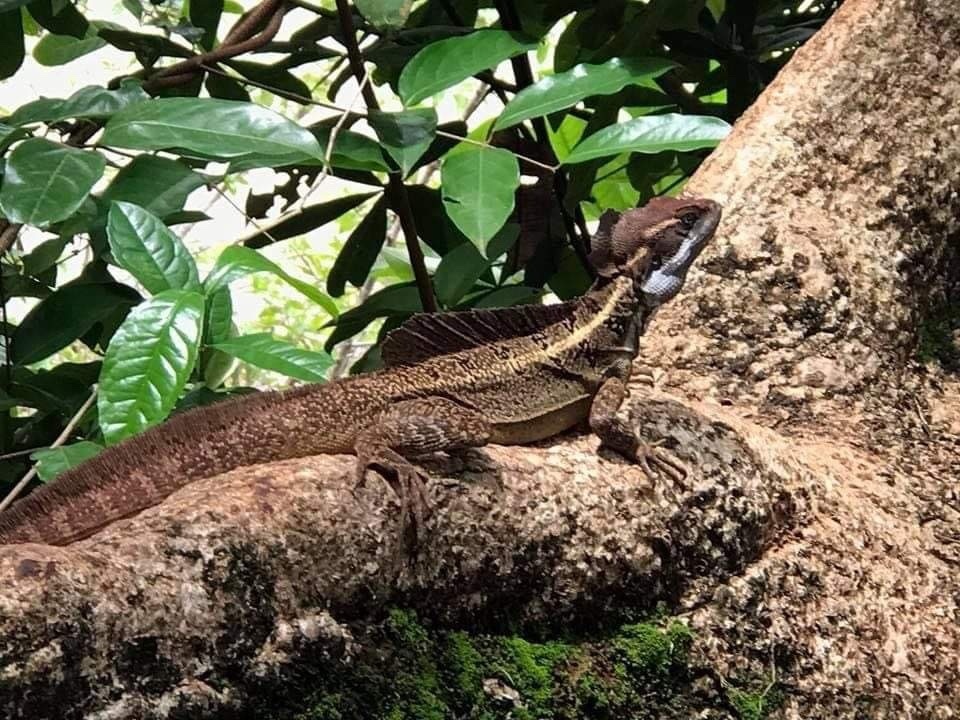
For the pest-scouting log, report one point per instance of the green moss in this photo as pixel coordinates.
(529, 668)
(599, 694)
(405, 628)
(644, 648)
(755, 705)
(409, 671)
(462, 668)
(417, 682)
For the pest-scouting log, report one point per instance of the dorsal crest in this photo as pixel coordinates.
(428, 335)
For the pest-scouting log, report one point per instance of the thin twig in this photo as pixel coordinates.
(260, 230)
(362, 115)
(396, 190)
(286, 95)
(331, 141)
(20, 453)
(471, 141)
(61, 438)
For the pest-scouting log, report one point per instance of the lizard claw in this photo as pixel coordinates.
(406, 480)
(656, 462)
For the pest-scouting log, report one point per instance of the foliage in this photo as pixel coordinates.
(601, 104)
(408, 671)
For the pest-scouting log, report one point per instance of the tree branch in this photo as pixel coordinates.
(236, 43)
(396, 190)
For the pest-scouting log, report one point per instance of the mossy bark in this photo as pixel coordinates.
(815, 542)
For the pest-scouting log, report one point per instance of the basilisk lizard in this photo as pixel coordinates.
(452, 380)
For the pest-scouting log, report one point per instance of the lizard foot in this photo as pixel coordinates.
(656, 462)
(405, 479)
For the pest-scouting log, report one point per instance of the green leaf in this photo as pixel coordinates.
(11, 40)
(54, 461)
(385, 13)
(148, 363)
(217, 367)
(274, 77)
(434, 226)
(157, 184)
(134, 7)
(45, 182)
(147, 48)
(185, 217)
(269, 353)
(143, 246)
(215, 128)
(507, 296)
(53, 50)
(35, 111)
(219, 326)
(225, 88)
(360, 252)
(236, 262)
(205, 14)
(652, 134)
(478, 188)
(44, 255)
(9, 5)
(567, 89)
(405, 135)
(9, 135)
(64, 316)
(396, 300)
(60, 390)
(443, 64)
(60, 17)
(458, 271)
(91, 101)
(310, 218)
(505, 239)
(351, 151)
(442, 144)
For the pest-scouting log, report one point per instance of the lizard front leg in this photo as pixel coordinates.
(408, 429)
(617, 434)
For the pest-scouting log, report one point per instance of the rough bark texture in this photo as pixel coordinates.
(818, 538)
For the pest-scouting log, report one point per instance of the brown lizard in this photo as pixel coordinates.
(452, 380)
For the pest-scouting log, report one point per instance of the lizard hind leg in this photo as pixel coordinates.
(409, 429)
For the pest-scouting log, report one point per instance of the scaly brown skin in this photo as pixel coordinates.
(453, 380)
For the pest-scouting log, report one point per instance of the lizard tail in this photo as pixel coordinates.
(143, 470)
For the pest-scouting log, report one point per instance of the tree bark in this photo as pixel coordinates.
(817, 538)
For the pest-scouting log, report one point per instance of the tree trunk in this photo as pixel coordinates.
(817, 539)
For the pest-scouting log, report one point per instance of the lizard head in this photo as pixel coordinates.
(655, 244)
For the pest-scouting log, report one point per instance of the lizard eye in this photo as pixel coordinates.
(688, 220)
